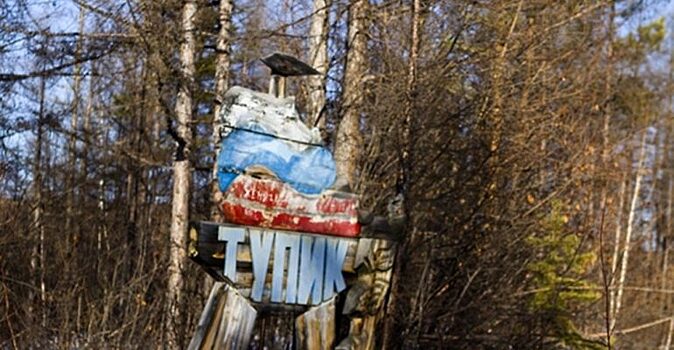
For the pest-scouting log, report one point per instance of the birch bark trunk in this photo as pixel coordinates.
(223, 63)
(37, 259)
(182, 178)
(72, 141)
(616, 245)
(348, 140)
(630, 228)
(86, 119)
(318, 58)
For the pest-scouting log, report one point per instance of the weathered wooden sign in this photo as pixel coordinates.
(292, 237)
(272, 266)
(273, 171)
(262, 267)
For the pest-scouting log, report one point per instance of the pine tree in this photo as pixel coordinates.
(559, 280)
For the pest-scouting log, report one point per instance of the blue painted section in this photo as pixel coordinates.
(293, 268)
(310, 171)
(232, 236)
(312, 266)
(282, 242)
(260, 246)
(334, 260)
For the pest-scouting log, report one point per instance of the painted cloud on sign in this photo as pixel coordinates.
(265, 131)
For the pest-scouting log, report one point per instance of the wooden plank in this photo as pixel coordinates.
(212, 333)
(236, 323)
(315, 329)
(226, 322)
(207, 316)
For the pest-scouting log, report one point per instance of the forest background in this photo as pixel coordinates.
(530, 141)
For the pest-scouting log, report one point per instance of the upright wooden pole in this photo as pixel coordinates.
(182, 178)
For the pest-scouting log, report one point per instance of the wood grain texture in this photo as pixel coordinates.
(236, 324)
(207, 316)
(226, 322)
(315, 329)
(365, 299)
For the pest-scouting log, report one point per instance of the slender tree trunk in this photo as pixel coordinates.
(86, 121)
(668, 340)
(630, 228)
(37, 258)
(605, 165)
(182, 179)
(135, 187)
(616, 244)
(668, 176)
(608, 91)
(223, 63)
(404, 178)
(348, 140)
(664, 306)
(72, 175)
(223, 47)
(72, 146)
(102, 231)
(405, 166)
(498, 79)
(318, 58)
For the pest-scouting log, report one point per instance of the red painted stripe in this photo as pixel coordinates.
(309, 224)
(273, 204)
(256, 190)
(239, 214)
(242, 215)
(277, 195)
(330, 205)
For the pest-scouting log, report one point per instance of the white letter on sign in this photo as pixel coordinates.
(334, 260)
(311, 270)
(232, 237)
(260, 246)
(284, 241)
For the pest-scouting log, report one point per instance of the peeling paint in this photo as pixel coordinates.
(273, 204)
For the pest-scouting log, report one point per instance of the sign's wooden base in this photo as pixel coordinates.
(229, 317)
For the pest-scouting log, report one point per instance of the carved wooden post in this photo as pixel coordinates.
(366, 297)
(291, 243)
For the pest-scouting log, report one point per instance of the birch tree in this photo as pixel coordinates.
(348, 139)
(318, 58)
(182, 177)
(223, 63)
(72, 138)
(37, 260)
